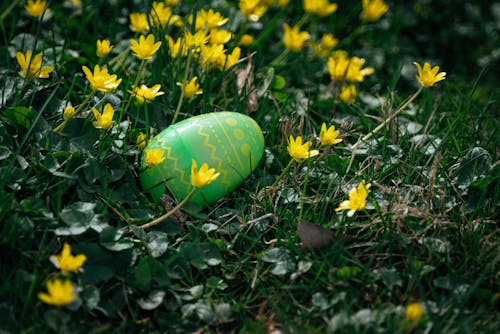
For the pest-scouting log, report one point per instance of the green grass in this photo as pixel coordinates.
(429, 233)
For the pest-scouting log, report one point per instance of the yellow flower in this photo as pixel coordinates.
(253, 9)
(329, 136)
(139, 22)
(208, 20)
(414, 312)
(341, 67)
(104, 120)
(246, 40)
(101, 80)
(145, 48)
(171, 3)
(293, 38)
(145, 94)
(32, 67)
(355, 72)
(153, 157)
(67, 262)
(141, 141)
(59, 293)
(337, 65)
(203, 177)
(35, 8)
(212, 54)
(299, 151)
(195, 41)
(373, 10)
(175, 46)
(219, 36)
(103, 48)
(357, 199)
(428, 76)
(319, 7)
(229, 60)
(328, 42)
(161, 15)
(68, 112)
(348, 94)
(191, 89)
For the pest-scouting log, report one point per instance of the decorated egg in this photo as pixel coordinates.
(230, 142)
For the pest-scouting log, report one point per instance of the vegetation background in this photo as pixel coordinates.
(429, 234)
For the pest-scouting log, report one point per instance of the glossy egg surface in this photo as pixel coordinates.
(230, 142)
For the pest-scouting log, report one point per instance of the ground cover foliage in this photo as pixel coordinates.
(275, 255)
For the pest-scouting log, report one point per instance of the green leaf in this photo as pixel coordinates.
(91, 297)
(283, 261)
(111, 239)
(475, 165)
(390, 277)
(278, 82)
(19, 116)
(4, 152)
(157, 243)
(152, 301)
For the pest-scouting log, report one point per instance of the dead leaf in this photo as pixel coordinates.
(313, 235)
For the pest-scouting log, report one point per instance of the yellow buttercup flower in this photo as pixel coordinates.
(145, 94)
(341, 67)
(153, 157)
(329, 136)
(161, 15)
(373, 10)
(101, 80)
(207, 20)
(103, 48)
(324, 48)
(348, 94)
(35, 8)
(67, 262)
(414, 312)
(293, 38)
(253, 9)
(212, 54)
(141, 141)
(203, 177)
(191, 89)
(196, 40)
(175, 47)
(32, 67)
(246, 40)
(356, 72)
(299, 151)
(219, 36)
(60, 293)
(145, 48)
(230, 59)
(139, 22)
(428, 76)
(319, 7)
(104, 120)
(357, 199)
(68, 112)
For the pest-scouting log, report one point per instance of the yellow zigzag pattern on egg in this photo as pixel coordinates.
(180, 171)
(213, 152)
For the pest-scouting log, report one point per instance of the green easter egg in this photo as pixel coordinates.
(230, 142)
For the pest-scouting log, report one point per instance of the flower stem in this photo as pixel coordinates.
(387, 120)
(282, 173)
(304, 190)
(170, 213)
(136, 82)
(61, 126)
(181, 98)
